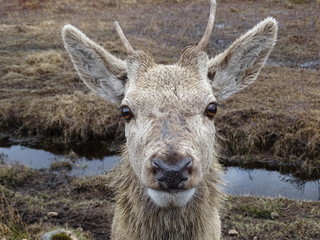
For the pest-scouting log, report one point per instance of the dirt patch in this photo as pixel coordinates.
(87, 204)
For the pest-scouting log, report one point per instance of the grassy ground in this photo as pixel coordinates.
(86, 206)
(277, 118)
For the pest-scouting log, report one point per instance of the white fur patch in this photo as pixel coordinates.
(174, 199)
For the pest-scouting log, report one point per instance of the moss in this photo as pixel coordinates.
(252, 210)
(61, 236)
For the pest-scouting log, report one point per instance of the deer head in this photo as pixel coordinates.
(169, 110)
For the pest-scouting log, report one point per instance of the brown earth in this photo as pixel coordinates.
(273, 122)
(87, 204)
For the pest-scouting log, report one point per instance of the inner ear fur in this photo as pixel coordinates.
(239, 65)
(102, 72)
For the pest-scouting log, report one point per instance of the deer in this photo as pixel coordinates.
(168, 184)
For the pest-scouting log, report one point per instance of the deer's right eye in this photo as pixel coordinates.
(211, 110)
(126, 113)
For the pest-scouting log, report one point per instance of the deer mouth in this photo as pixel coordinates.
(172, 197)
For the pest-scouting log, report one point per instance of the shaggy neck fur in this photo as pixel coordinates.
(138, 218)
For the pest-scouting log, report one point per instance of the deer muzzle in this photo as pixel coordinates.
(171, 176)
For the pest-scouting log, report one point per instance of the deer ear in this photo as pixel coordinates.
(99, 70)
(238, 66)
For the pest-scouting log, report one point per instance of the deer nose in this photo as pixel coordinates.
(171, 176)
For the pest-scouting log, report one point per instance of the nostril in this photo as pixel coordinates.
(157, 166)
(185, 164)
(157, 163)
(171, 176)
(160, 164)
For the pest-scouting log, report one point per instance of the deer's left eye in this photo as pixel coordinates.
(126, 113)
(211, 110)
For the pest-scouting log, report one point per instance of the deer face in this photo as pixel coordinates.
(169, 109)
(170, 136)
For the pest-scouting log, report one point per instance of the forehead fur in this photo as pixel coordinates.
(168, 77)
(168, 86)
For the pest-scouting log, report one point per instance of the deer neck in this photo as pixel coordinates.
(138, 218)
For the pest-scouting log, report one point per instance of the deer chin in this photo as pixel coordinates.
(177, 198)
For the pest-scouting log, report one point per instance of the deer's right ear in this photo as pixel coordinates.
(100, 71)
(239, 65)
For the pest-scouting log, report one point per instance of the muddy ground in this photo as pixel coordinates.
(275, 122)
(87, 204)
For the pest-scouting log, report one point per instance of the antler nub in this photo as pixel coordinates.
(124, 40)
(205, 39)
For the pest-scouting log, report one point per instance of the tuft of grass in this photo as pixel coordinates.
(98, 185)
(11, 225)
(15, 175)
(62, 165)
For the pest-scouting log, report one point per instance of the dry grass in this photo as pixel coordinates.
(11, 225)
(40, 93)
(61, 165)
(266, 218)
(88, 203)
(277, 117)
(17, 175)
(66, 115)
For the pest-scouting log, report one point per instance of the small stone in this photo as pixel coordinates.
(274, 215)
(52, 234)
(233, 232)
(52, 214)
(255, 238)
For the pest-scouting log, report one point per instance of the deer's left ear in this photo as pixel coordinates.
(102, 72)
(239, 65)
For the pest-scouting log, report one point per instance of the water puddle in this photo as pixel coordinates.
(39, 159)
(257, 182)
(221, 25)
(311, 64)
(260, 182)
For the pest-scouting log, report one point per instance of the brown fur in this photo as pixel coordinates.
(136, 216)
(169, 121)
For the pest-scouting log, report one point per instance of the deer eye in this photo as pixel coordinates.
(126, 113)
(211, 110)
